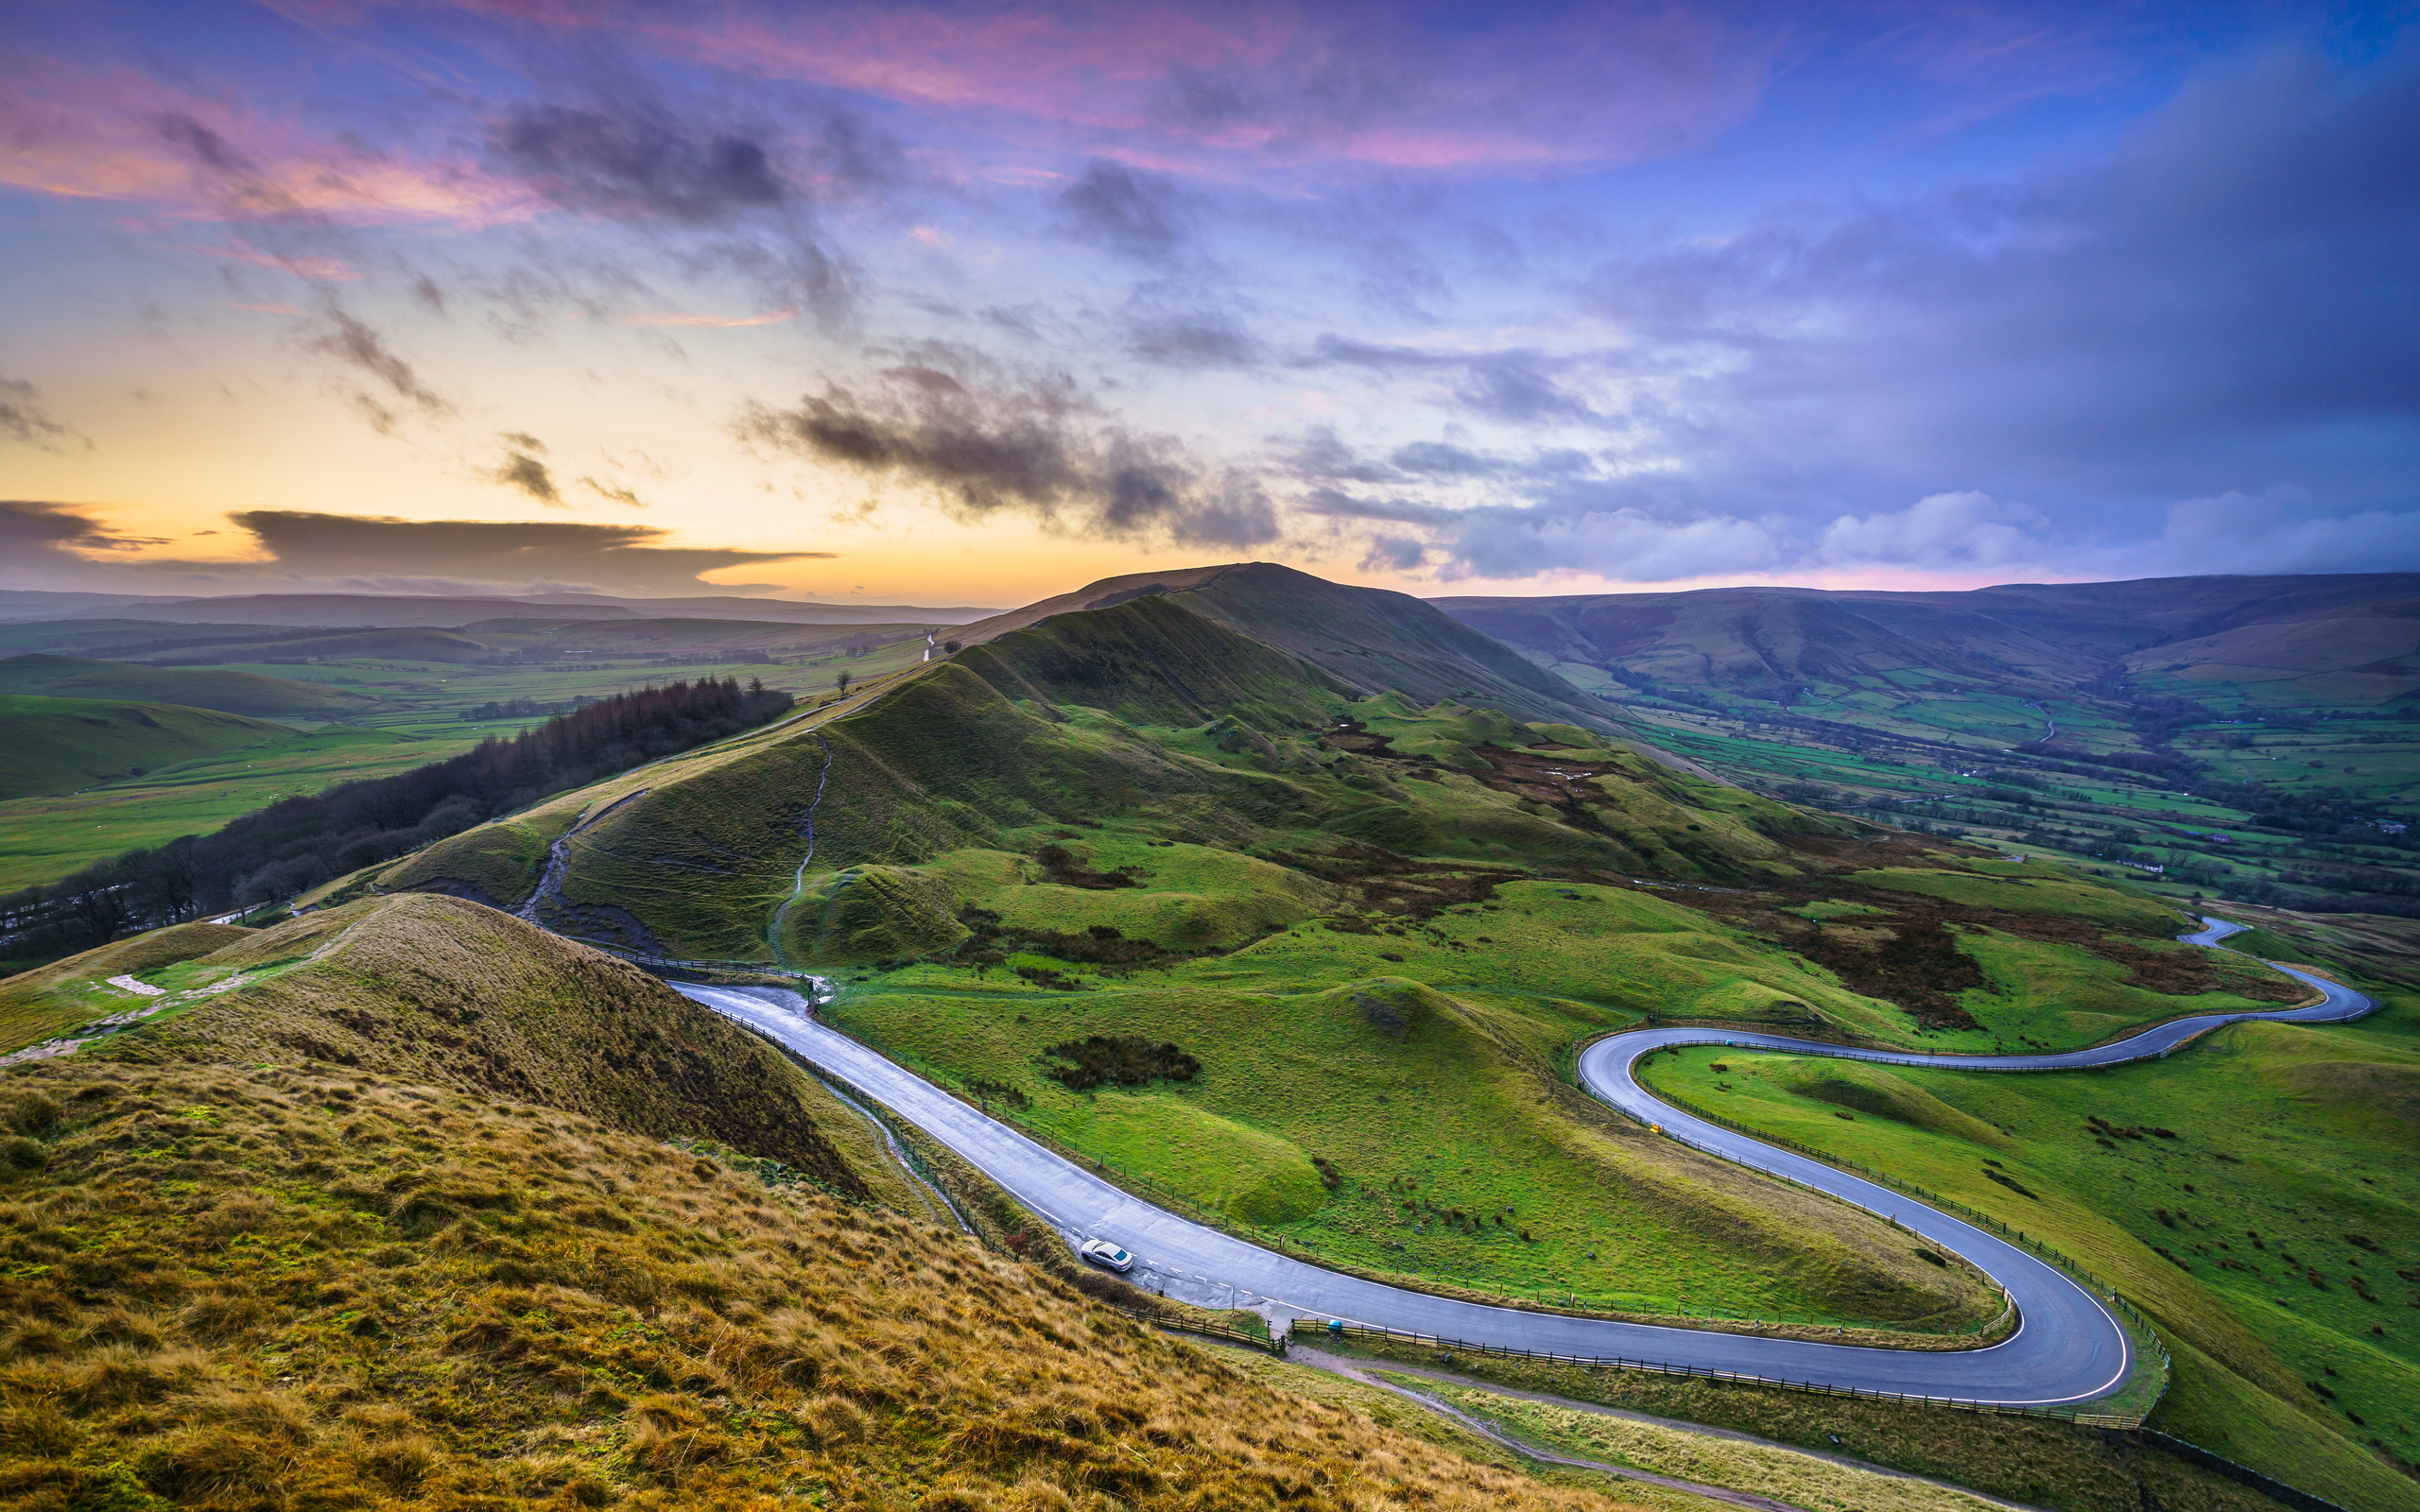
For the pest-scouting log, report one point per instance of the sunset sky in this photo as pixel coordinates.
(973, 303)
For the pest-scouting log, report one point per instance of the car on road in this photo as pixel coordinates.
(1101, 1252)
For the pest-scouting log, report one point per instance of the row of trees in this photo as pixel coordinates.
(291, 846)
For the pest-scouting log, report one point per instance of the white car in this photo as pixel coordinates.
(1101, 1252)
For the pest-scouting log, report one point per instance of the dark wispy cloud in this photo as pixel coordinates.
(1193, 338)
(1036, 445)
(355, 344)
(1323, 456)
(1329, 349)
(1513, 386)
(31, 528)
(615, 493)
(847, 157)
(613, 557)
(714, 192)
(43, 545)
(1132, 214)
(524, 469)
(1438, 460)
(1519, 387)
(639, 162)
(23, 420)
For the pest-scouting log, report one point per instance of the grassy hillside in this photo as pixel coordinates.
(56, 745)
(1024, 735)
(1406, 1025)
(265, 1285)
(1404, 1131)
(234, 692)
(399, 711)
(439, 990)
(2252, 1193)
(1369, 639)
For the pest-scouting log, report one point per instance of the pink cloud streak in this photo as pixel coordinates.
(114, 134)
(1278, 81)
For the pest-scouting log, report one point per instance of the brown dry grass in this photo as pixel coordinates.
(238, 1287)
(442, 990)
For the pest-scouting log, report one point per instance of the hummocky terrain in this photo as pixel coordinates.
(1299, 941)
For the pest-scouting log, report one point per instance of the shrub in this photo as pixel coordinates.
(1125, 1060)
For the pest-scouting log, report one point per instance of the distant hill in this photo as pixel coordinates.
(2339, 637)
(355, 610)
(686, 636)
(782, 610)
(531, 631)
(2256, 738)
(1368, 638)
(60, 745)
(406, 643)
(1143, 712)
(234, 693)
(37, 604)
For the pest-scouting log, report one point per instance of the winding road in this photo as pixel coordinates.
(2067, 1348)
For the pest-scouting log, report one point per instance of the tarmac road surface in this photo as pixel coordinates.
(2067, 1348)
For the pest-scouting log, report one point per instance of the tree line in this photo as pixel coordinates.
(293, 846)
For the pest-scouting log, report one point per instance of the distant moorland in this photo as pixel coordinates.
(2256, 738)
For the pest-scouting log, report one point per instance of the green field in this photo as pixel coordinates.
(2273, 1231)
(2257, 763)
(45, 839)
(57, 744)
(1294, 1017)
(1452, 1151)
(234, 692)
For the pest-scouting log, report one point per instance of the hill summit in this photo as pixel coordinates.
(1149, 711)
(1369, 638)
